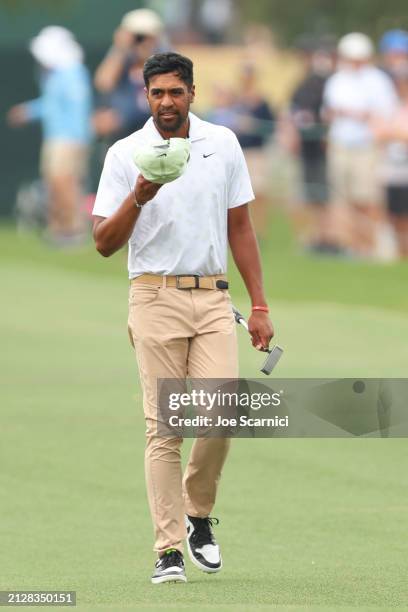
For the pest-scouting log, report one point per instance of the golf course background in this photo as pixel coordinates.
(304, 524)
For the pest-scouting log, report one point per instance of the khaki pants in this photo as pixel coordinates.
(64, 158)
(179, 333)
(353, 175)
(64, 166)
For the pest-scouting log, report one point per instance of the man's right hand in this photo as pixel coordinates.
(145, 190)
(123, 40)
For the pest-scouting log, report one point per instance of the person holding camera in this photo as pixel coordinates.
(122, 106)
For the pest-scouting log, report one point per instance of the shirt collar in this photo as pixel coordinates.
(197, 128)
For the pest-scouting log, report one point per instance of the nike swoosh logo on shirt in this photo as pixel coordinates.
(208, 155)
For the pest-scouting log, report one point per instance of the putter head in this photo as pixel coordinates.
(272, 359)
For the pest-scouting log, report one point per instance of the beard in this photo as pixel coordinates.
(170, 125)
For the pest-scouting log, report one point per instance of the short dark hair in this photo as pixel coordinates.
(162, 63)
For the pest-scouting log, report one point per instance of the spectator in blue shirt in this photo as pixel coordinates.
(64, 109)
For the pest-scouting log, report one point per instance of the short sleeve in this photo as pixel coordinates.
(113, 187)
(240, 189)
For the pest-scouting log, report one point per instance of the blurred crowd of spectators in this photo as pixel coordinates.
(346, 123)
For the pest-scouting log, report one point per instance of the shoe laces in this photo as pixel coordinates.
(203, 534)
(172, 557)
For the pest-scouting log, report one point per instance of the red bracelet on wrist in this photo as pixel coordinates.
(260, 308)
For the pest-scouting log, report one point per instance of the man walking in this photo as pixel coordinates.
(180, 318)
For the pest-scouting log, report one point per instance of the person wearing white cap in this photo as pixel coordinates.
(177, 207)
(64, 109)
(119, 79)
(356, 93)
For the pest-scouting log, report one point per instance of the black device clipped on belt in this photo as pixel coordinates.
(221, 284)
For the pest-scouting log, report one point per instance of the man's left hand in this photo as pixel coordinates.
(261, 329)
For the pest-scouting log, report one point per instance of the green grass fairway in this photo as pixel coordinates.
(305, 524)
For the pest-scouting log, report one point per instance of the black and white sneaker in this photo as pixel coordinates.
(202, 548)
(169, 568)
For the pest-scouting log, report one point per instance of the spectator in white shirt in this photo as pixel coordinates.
(353, 96)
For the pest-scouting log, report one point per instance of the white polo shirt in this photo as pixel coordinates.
(183, 229)
(367, 90)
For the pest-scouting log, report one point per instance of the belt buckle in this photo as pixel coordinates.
(196, 281)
